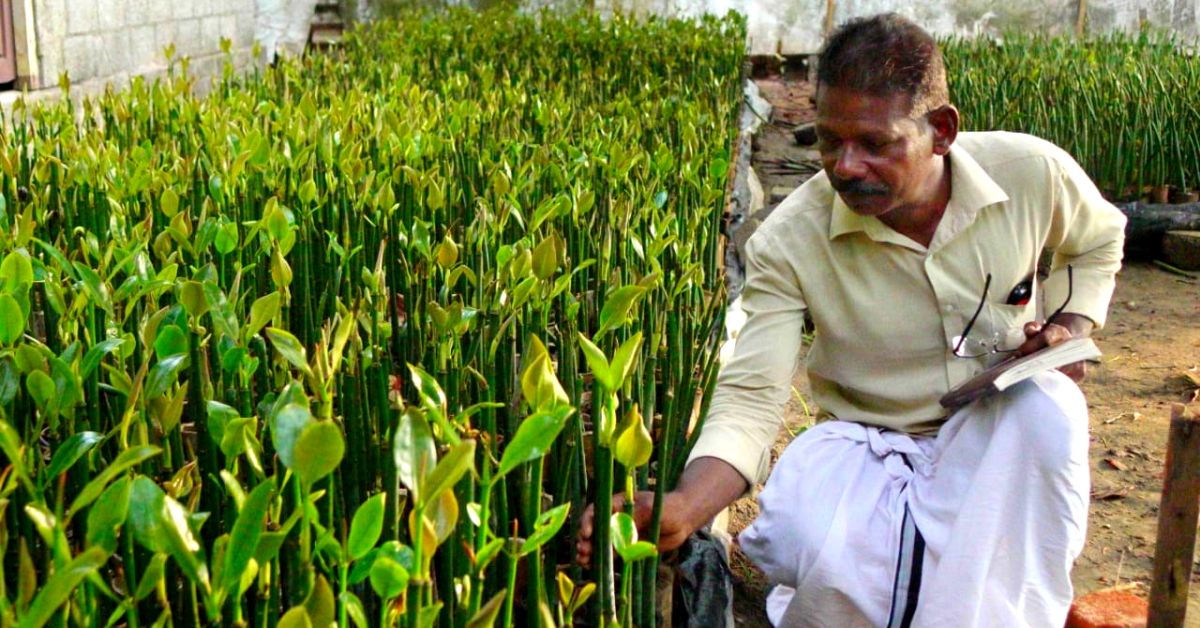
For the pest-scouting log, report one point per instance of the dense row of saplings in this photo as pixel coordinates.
(1126, 106)
(354, 339)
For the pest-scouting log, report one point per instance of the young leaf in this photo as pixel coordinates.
(107, 516)
(288, 424)
(388, 578)
(447, 473)
(490, 612)
(413, 451)
(625, 358)
(12, 320)
(366, 526)
(598, 363)
(533, 438)
(163, 375)
(262, 312)
(547, 525)
(290, 348)
(58, 588)
(318, 451)
(296, 617)
(243, 538)
(92, 358)
(617, 306)
(319, 604)
(191, 295)
(70, 452)
(354, 609)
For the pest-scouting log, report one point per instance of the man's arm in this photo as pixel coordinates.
(744, 417)
(707, 486)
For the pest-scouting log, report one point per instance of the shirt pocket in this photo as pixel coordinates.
(1006, 323)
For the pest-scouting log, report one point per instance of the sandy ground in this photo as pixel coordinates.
(1152, 359)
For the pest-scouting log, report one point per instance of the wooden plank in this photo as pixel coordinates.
(1177, 515)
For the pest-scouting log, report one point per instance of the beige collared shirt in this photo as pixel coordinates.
(887, 309)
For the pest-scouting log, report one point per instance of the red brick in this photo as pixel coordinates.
(1108, 608)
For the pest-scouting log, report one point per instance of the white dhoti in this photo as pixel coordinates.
(977, 526)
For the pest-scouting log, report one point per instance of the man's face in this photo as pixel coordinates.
(878, 158)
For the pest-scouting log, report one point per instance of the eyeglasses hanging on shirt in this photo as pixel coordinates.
(963, 346)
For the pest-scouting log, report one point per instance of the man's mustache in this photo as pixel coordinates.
(858, 187)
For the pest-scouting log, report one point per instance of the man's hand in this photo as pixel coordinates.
(672, 532)
(707, 486)
(1066, 326)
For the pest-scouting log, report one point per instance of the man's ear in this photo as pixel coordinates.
(944, 121)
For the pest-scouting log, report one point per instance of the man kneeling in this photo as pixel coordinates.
(915, 253)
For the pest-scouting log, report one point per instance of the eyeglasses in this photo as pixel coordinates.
(962, 348)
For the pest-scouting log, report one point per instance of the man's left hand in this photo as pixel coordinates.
(1064, 327)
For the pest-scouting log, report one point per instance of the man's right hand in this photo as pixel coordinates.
(672, 532)
(707, 486)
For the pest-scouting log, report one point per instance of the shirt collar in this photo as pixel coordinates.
(971, 189)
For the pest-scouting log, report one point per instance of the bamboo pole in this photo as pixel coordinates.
(1176, 521)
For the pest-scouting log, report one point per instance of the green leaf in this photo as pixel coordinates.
(16, 272)
(70, 452)
(624, 359)
(488, 613)
(318, 451)
(163, 374)
(58, 589)
(485, 556)
(168, 202)
(12, 320)
(150, 576)
(297, 617)
(547, 525)
(10, 381)
(106, 517)
(289, 347)
(533, 438)
(545, 259)
(413, 451)
(447, 252)
(354, 609)
(146, 516)
(42, 389)
(319, 604)
(447, 473)
(624, 531)
(226, 239)
(191, 295)
(126, 459)
(617, 306)
(288, 424)
(245, 535)
(388, 578)
(597, 363)
(171, 340)
(92, 358)
(366, 526)
(262, 312)
(638, 551)
(634, 445)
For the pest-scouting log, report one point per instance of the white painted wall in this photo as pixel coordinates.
(798, 26)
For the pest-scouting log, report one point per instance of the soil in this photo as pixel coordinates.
(1151, 359)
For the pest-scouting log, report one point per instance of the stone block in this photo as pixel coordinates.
(143, 48)
(81, 17)
(210, 35)
(188, 37)
(79, 57)
(1108, 608)
(184, 9)
(139, 12)
(112, 57)
(110, 14)
(160, 11)
(1181, 249)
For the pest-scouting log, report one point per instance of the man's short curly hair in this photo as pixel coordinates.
(882, 55)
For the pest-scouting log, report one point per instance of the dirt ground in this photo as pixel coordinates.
(1151, 359)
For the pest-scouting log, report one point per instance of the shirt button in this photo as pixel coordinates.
(949, 307)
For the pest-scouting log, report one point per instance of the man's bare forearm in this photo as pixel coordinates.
(707, 487)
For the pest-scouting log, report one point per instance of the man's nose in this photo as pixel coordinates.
(849, 164)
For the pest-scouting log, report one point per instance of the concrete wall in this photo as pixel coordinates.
(798, 26)
(111, 40)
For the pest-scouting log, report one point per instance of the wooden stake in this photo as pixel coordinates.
(1081, 19)
(1177, 515)
(830, 6)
